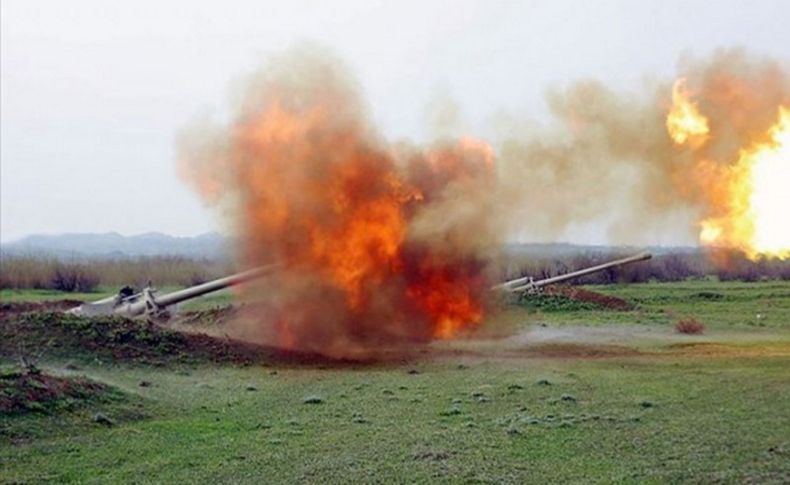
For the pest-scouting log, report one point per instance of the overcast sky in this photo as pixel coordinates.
(93, 92)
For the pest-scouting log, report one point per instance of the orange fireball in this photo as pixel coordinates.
(748, 199)
(756, 218)
(314, 187)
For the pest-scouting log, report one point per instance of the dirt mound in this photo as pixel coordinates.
(586, 296)
(115, 338)
(206, 318)
(22, 392)
(38, 306)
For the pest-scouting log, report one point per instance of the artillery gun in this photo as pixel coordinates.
(527, 284)
(150, 304)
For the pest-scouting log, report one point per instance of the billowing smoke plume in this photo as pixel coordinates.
(382, 244)
(389, 243)
(608, 157)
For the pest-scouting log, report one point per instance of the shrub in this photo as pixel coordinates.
(85, 275)
(74, 277)
(689, 326)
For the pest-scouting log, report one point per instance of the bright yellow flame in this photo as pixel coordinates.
(684, 121)
(758, 213)
(770, 200)
(710, 232)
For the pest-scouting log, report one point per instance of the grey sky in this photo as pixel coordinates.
(93, 92)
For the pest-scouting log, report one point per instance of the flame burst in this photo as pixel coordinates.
(313, 187)
(749, 198)
(684, 121)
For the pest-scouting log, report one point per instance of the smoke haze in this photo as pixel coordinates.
(389, 242)
(608, 156)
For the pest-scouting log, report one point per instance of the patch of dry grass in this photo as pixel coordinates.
(689, 326)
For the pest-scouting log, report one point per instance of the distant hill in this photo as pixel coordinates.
(116, 246)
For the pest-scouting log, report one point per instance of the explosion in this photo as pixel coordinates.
(700, 159)
(367, 263)
(684, 121)
(385, 244)
(749, 196)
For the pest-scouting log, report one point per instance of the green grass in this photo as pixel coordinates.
(213, 300)
(555, 303)
(710, 419)
(707, 408)
(718, 305)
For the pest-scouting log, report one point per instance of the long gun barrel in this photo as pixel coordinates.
(162, 301)
(527, 284)
(148, 302)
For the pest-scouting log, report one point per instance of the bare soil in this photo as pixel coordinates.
(598, 299)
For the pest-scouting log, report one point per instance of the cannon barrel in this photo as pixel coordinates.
(144, 305)
(147, 302)
(526, 283)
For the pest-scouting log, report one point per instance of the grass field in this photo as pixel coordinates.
(572, 395)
